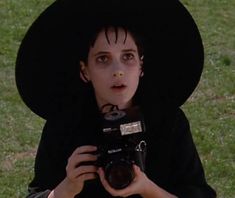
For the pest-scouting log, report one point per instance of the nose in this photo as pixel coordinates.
(118, 74)
(118, 69)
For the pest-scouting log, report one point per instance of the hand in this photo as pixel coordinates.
(138, 185)
(77, 173)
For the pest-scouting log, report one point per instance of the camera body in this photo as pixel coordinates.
(122, 146)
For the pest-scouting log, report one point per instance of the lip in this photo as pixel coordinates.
(118, 87)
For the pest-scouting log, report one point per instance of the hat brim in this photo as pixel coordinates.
(47, 67)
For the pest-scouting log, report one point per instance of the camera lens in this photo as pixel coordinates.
(119, 174)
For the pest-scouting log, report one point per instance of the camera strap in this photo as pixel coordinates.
(112, 108)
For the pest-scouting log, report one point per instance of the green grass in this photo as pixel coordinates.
(211, 108)
(19, 128)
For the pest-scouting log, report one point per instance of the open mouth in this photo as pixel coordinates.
(118, 87)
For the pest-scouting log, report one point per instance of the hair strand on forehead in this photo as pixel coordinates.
(106, 34)
(125, 35)
(116, 34)
(116, 31)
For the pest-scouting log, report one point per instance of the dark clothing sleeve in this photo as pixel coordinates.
(172, 161)
(33, 193)
(188, 178)
(48, 167)
(60, 137)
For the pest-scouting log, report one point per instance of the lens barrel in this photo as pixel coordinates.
(119, 174)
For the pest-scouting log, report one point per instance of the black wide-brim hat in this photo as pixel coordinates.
(47, 66)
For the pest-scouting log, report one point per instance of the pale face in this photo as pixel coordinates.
(114, 68)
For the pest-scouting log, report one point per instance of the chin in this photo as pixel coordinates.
(122, 104)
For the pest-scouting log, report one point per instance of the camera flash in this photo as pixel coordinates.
(130, 128)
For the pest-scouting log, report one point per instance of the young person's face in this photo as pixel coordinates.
(114, 68)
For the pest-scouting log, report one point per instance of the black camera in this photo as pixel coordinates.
(123, 145)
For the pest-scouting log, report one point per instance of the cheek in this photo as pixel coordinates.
(135, 77)
(136, 81)
(133, 83)
(99, 80)
(98, 84)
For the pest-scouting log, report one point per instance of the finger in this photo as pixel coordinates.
(76, 173)
(87, 176)
(138, 173)
(137, 170)
(129, 190)
(106, 185)
(84, 170)
(104, 182)
(84, 158)
(74, 161)
(84, 149)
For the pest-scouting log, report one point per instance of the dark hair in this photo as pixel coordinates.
(90, 38)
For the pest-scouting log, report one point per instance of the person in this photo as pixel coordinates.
(73, 77)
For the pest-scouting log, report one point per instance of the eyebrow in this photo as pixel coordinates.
(129, 50)
(100, 53)
(107, 52)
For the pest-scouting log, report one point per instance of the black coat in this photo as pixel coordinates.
(172, 161)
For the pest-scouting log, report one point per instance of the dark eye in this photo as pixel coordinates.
(102, 59)
(128, 56)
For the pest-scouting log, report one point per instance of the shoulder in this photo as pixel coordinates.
(180, 120)
(167, 125)
(58, 129)
(176, 124)
(181, 131)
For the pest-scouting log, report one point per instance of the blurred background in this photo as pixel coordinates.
(211, 108)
